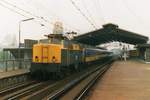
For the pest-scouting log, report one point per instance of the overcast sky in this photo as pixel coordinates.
(132, 15)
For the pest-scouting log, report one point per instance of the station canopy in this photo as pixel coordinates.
(110, 32)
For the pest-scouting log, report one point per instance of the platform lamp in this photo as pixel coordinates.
(19, 55)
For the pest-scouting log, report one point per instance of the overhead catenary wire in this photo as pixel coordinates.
(13, 10)
(46, 20)
(20, 8)
(91, 15)
(88, 12)
(25, 11)
(29, 13)
(131, 11)
(17, 12)
(138, 18)
(98, 9)
(69, 27)
(89, 21)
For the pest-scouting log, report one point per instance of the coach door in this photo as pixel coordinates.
(45, 54)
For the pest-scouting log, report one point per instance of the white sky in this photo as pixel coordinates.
(132, 15)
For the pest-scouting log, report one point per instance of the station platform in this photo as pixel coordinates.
(125, 80)
(13, 73)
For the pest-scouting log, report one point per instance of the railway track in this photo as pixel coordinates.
(15, 87)
(75, 84)
(79, 87)
(78, 91)
(63, 88)
(19, 92)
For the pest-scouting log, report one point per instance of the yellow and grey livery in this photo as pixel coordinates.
(57, 55)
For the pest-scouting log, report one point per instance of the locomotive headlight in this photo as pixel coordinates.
(36, 58)
(53, 59)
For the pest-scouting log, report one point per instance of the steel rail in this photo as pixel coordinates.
(55, 90)
(16, 87)
(25, 91)
(85, 90)
(72, 84)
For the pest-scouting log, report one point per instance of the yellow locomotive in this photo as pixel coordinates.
(56, 56)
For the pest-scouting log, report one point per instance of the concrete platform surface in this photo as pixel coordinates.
(13, 73)
(128, 80)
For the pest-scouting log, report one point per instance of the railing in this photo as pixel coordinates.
(13, 64)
